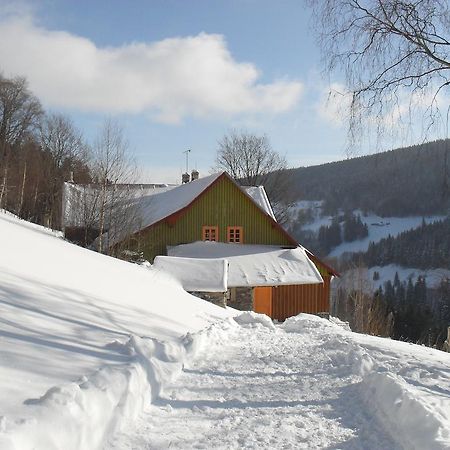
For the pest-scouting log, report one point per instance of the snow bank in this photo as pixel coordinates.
(82, 414)
(217, 332)
(79, 415)
(415, 421)
(305, 323)
(408, 397)
(251, 319)
(86, 339)
(196, 274)
(225, 330)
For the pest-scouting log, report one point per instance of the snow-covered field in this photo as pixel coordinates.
(379, 227)
(363, 278)
(433, 276)
(99, 353)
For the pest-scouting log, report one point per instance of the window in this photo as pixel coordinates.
(235, 235)
(210, 233)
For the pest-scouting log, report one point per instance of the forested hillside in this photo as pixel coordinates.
(426, 247)
(401, 182)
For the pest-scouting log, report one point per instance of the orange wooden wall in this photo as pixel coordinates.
(262, 300)
(291, 300)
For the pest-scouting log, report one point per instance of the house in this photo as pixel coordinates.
(216, 209)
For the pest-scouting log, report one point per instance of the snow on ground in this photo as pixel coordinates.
(379, 227)
(81, 335)
(433, 276)
(363, 277)
(308, 383)
(91, 356)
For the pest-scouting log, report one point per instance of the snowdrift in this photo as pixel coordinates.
(406, 387)
(86, 339)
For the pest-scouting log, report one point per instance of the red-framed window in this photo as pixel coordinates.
(210, 233)
(235, 235)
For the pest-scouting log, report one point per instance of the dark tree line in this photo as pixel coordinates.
(403, 310)
(421, 314)
(426, 247)
(329, 236)
(344, 228)
(354, 228)
(402, 182)
(38, 152)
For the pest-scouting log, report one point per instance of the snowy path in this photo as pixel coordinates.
(262, 388)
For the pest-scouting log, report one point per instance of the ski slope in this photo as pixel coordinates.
(96, 353)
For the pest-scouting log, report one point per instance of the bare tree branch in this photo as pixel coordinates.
(250, 160)
(395, 56)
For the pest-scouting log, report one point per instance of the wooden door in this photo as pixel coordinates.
(262, 300)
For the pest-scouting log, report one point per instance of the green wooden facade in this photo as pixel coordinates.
(222, 204)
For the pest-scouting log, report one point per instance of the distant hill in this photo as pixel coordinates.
(426, 247)
(401, 182)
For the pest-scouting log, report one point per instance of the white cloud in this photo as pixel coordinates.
(172, 78)
(334, 103)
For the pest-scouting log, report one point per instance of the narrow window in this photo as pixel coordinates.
(210, 233)
(235, 235)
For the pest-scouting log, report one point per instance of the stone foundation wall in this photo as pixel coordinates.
(241, 298)
(217, 298)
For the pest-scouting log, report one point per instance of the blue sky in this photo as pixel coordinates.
(179, 74)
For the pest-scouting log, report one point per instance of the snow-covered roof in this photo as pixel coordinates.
(153, 202)
(259, 195)
(82, 199)
(255, 265)
(161, 205)
(195, 274)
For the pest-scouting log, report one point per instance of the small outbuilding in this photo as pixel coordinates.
(256, 273)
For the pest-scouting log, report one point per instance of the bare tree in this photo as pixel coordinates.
(62, 140)
(354, 299)
(389, 50)
(113, 169)
(251, 161)
(20, 112)
(64, 146)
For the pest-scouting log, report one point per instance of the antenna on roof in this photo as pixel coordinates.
(185, 177)
(187, 159)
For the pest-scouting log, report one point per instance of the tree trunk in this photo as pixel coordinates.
(22, 191)
(3, 191)
(102, 218)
